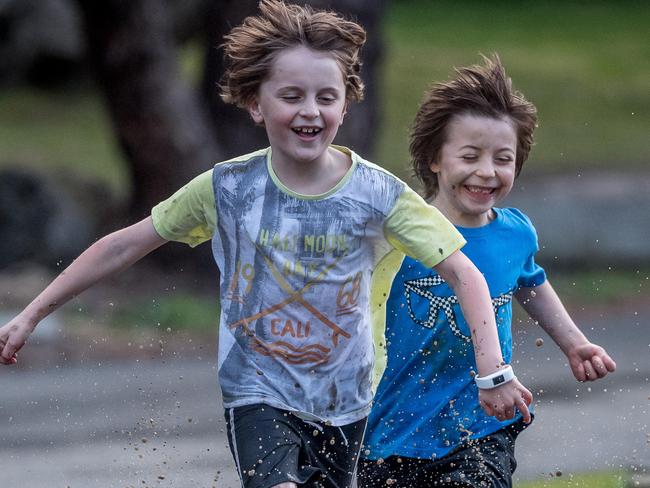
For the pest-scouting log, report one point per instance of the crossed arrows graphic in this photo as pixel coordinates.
(309, 353)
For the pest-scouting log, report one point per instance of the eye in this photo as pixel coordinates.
(290, 98)
(504, 159)
(469, 157)
(327, 99)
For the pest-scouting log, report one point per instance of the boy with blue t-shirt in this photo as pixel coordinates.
(469, 141)
(296, 231)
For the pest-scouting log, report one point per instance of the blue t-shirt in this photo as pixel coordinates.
(427, 403)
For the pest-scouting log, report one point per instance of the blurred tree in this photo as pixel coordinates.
(360, 128)
(160, 123)
(40, 42)
(234, 128)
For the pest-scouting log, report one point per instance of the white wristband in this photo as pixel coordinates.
(495, 379)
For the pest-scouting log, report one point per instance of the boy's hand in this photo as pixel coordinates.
(502, 401)
(12, 337)
(589, 362)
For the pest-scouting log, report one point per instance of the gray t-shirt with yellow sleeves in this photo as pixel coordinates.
(295, 327)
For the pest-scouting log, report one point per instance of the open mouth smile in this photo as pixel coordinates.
(306, 131)
(479, 190)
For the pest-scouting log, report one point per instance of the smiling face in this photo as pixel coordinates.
(476, 168)
(301, 104)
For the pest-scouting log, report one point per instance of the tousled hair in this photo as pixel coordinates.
(483, 90)
(251, 47)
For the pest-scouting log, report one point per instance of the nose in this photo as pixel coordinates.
(309, 108)
(485, 168)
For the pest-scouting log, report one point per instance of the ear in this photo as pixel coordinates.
(255, 112)
(434, 166)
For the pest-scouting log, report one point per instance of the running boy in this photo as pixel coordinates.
(469, 141)
(296, 230)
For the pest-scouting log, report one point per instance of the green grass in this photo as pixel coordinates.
(601, 286)
(67, 131)
(588, 480)
(584, 64)
(178, 311)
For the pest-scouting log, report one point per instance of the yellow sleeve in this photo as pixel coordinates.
(189, 215)
(419, 230)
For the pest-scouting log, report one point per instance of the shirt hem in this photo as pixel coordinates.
(428, 453)
(335, 421)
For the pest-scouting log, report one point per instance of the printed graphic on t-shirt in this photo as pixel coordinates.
(297, 254)
(282, 329)
(424, 287)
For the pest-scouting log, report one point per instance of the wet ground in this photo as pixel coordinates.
(98, 421)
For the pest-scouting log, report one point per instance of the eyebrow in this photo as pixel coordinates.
(476, 148)
(300, 88)
(288, 88)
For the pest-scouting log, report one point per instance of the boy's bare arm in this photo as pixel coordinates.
(588, 361)
(474, 297)
(472, 292)
(112, 253)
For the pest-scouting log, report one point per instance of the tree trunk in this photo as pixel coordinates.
(160, 126)
(236, 132)
(359, 130)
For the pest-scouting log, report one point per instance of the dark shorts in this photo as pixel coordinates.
(272, 446)
(488, 462)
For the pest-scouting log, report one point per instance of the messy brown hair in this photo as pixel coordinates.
(483, 90)
(251, 47)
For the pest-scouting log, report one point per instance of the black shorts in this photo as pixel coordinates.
(273, 446)
(487, 462)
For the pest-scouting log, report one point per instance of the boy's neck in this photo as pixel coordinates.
(460, 219)
(312, 178)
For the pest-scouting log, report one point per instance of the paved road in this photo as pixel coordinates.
(160, 423)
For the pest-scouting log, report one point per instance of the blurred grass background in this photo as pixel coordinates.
(586, 65)
(588, 480)
(63, 130)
